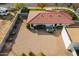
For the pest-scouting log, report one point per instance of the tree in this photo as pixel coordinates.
(56, 4)
(19, 5)
(42, 5)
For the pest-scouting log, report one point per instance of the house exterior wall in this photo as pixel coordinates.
(74, 52)
(44, 24)
(66, 38)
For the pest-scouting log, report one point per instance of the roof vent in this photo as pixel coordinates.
(42, 15)
(59, 15)
(50, 15)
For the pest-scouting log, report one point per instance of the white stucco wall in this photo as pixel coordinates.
(73, 52)
(65, 38)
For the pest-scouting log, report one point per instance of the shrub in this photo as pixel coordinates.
(10, 39)
(50, 30)
(28, 26)
(40, 26)
(19, 5)
(25, 10)
(73, 15)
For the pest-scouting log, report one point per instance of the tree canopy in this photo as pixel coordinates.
(19, 5)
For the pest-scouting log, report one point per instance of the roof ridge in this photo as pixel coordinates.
(48, 13)
(34, 17)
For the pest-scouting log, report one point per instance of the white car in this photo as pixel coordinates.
(3, 11)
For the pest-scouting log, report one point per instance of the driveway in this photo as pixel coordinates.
(37, 42)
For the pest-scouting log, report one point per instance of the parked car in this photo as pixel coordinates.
(3, 11)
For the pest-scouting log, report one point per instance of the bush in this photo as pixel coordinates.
(24, 10)
(10, 39)
(19, 5)
(73, 15)
(40, 26)
(50, 31)
(28, 26)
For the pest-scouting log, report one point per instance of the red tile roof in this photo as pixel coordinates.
(49, 17)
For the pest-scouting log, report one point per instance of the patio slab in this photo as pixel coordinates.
(37, 42)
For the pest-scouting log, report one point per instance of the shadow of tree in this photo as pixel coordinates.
(42, 54)
(31, 54)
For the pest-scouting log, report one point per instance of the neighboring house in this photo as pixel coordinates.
(3, 11)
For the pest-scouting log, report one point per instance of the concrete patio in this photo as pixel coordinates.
(37, 42)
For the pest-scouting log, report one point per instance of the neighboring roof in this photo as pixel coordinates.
(49, 17)
(74, 34)
(2, 9)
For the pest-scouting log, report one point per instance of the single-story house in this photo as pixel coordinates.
(48, 18)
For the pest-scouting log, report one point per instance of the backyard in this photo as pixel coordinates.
(38, 42)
